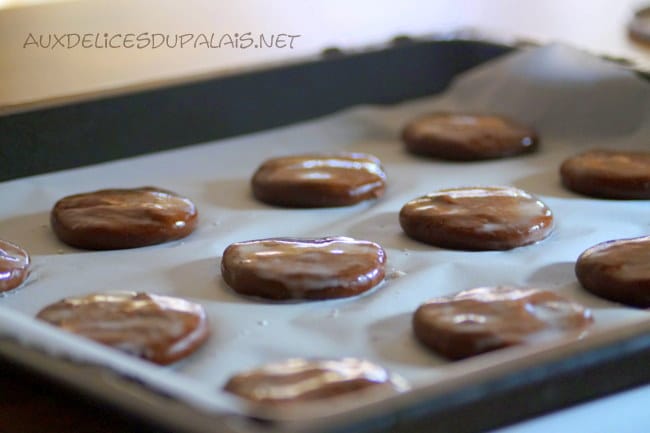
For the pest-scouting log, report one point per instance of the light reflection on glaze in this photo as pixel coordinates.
(474, 129)
(159, 328)
(487, 318)
(307, 264)
(611, 163)
(625, 259)
(304, 380)
(357, 169)
(117, 208)
(14, 265)
(487, 209)
(347, 161)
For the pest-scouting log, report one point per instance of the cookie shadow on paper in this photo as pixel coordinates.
(33, 233)
(392, 338)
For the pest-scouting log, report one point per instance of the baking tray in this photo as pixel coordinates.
(88, 132)
(185, 114)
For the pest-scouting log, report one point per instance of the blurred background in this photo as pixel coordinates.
(33, 75)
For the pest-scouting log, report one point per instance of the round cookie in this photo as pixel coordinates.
(301, 380)
(608, 174)
(308, 181)
(488, 318)
(477, 218)
(617, 270)
(161, 329)
(290, 268)
(468, 137)
(123, 218)
(14, 265)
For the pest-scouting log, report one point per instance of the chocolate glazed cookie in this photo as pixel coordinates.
(290, 268)
(302, 380)
(14, 265)
(468, 137)
(608, 174)
(123, 218)
(158, 328)
(307, 181)
(618, 270)
(488, 318)
(477, 218)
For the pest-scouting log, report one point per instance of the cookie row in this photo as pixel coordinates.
(309, 181)
(480, 218)
(282, 268)
(120, 218)
(471, 137)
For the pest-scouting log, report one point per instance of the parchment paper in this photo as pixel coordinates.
(575, 101)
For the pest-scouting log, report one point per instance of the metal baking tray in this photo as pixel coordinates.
(54, 138)
(88, 132)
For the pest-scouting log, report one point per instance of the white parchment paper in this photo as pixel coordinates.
(575, 101)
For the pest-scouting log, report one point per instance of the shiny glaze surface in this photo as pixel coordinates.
(482, 215)
(159, 328)
(618, 270)
(319, 180)
(468, 136)
(123, 218)
(300, 266)
(487, 318)
(613, 163)
(608, 174)
(296, 380)
(14, 265)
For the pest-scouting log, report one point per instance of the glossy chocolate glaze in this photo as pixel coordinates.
(488, 318)
(608, 174)
(319, 180)
(294, 268)
(301, 380)
(123, 218)
(477, 218)
(14, 265)
(618, 270)
(466, 137)
(161, 329)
